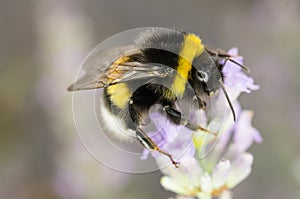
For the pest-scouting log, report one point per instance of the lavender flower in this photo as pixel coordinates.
(236, 81)
(227, 163)
(213, 175)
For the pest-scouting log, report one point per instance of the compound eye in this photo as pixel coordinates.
(202, 76)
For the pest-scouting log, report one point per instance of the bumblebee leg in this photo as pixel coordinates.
(177, 118)
(149, 144)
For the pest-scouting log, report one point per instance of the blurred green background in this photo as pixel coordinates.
(43, 43)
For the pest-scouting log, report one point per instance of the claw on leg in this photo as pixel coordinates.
(149, 144)
(176, 164)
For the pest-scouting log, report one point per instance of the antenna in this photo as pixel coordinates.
(245, 68)
(228, 100)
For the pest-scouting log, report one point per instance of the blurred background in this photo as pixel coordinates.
(43, 43)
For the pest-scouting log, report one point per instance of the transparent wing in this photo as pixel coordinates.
(104, 69)
(96, 65)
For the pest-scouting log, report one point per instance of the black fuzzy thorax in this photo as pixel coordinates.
(159, 47)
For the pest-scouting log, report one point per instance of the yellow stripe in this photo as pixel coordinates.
(119, 94)
(191, 48)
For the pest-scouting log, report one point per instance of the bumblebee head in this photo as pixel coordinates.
(206, 74)
(206, 78)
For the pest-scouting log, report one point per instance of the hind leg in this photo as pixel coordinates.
(138, 109)
(149, 144)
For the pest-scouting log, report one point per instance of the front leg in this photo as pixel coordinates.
(176, 117)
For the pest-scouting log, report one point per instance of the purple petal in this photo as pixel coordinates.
(233, 51)
(224, 137)
(228, 128)
(245, 133)
(236, 81)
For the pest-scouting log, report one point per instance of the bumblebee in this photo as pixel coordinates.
(162, 63)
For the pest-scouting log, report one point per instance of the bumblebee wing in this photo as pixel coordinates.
(97, 66)
(136, 70)
(113, 69)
